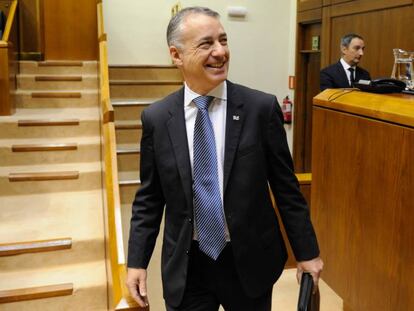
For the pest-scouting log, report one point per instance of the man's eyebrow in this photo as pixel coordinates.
(207, 38)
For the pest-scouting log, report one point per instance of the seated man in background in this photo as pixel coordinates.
(345, 72)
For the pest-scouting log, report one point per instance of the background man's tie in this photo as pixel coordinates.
(352, 71)
(209, 214)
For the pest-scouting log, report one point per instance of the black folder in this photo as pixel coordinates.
(307, 301)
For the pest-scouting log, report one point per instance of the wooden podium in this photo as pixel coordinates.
(363, 197)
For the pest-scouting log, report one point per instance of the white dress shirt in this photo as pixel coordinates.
(348, 73)
(217, 113)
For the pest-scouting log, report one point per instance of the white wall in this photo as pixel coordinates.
(262, 44)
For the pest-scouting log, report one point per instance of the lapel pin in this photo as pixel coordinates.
(236, 118)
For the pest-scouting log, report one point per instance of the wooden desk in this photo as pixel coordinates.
(363, 197)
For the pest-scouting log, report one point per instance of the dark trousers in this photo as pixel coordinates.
(213, 283)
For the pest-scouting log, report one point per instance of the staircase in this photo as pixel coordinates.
(132, 89)
(52, 254)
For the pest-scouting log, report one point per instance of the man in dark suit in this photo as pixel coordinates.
(209, 167)
(345, 72)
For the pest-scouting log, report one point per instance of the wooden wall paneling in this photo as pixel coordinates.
(31, 29)
(360, 6)
(383, 30)
(304, 5)
(326, 37)
(70, 30)
(363, 174)
(4, 82)
(307, 79)
(310, 16)
(340, 1)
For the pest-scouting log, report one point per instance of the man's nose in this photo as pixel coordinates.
(219, 49)
(361, 52)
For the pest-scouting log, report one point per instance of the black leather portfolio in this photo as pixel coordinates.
(307, 301)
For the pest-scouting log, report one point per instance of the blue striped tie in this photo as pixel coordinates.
(209, 214)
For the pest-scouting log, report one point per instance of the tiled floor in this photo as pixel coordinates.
(286, 291)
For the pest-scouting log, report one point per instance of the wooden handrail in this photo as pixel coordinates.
(101, 30)
(9, 22)
(119, 298)
(107, 109)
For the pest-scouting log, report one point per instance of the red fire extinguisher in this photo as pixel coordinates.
(287, 110)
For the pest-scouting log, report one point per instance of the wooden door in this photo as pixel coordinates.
(70, 30)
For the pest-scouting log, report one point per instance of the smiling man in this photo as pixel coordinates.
(208, 155)
(346, 72)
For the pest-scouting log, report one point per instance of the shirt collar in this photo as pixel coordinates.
(219, 91)
(346, 65)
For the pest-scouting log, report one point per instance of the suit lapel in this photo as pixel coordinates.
(343, 76)
(234, 122)
(178, 136)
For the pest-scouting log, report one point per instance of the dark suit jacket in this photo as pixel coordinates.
(334, 76)
(256, 156)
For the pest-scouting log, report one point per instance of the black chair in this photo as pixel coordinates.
(308, 301)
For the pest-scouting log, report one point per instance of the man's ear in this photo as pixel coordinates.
(343, 49)
(175, 56)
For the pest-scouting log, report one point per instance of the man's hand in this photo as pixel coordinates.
(137, 285)
(314, 267)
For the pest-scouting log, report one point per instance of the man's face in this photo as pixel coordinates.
(204, 55)
(353, 53)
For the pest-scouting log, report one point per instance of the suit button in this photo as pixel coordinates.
(190, 220)
(187, 252)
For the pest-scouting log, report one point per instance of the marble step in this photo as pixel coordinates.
(77, 215)
(49, 150)
(25, 247)
(129, 183)
(129, 109)
(128, 131)
(45, 123)
(39, 292)
(144, 72)
(89, 287)
(143, 88)
(57, 82)
(56, 99)
(78, 177)
(128, 156)
(58, 67)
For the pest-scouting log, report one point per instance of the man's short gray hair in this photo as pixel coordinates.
(174, 26)
(346, 40)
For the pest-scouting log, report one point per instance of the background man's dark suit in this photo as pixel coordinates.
(256, 152)
(334, 76)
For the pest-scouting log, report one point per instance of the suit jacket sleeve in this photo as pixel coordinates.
(326, 80)
(148, 206)
(285, 187)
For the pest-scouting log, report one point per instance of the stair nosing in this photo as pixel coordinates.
(39, 292)
(58, 78)
(45, 122)
(132, 125)
(129, 182)
(142, 66)
(146, 82)
(11, 249)
(126, 103)
(60, 63)
(44, 147)
(43, 176)
(55, 94)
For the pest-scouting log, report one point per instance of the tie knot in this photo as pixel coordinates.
(202, 102)
(351, 69)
